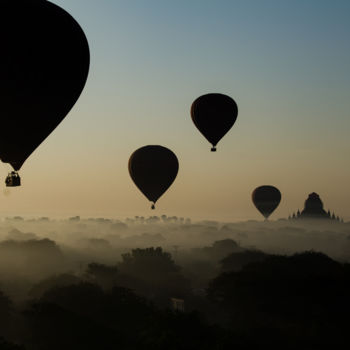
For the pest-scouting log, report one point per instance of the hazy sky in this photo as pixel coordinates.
(287, 65)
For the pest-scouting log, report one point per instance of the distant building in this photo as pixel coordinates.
(313, 209)
(178, 304)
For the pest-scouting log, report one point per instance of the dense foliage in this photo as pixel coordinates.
(291, 302)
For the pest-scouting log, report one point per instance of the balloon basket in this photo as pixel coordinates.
(213, 149)
(13, 179)
(153, 207)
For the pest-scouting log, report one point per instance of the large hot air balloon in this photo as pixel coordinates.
(44, 65)
(153, 169)
(214, 115)
(266, 199)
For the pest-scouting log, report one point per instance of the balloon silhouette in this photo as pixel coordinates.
(153, 169)
(266, 199)
(44, 64)
(214, 115)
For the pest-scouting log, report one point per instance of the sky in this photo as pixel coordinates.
(286, 64)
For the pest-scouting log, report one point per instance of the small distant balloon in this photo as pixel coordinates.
(266, 199)
(214, 115)
(153, 169)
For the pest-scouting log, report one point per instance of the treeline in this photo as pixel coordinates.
(299, 301)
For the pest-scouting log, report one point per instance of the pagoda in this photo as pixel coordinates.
(313, 209)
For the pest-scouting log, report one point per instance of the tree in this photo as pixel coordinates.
(86, 317)
(62, 280)
(236, 261)
(6, 309)
(103, 275)
(152, 272)
(287, 295)
(4, 345)
(148, 260)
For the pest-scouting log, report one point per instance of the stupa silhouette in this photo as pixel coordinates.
(313, 209)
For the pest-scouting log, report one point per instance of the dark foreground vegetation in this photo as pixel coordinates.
(81, 285)
(289, 302)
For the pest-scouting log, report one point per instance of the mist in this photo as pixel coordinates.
(34, 249)
(177, 269)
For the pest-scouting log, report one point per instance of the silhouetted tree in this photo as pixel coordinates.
(153, 273)
(32, 257)
(6, 309)
(86, 317)
(17, 235)
(141, 261)
(237, 260)
(50, 326)
(54, 281)
(218, 250)
(103, 275)
(288, 295)
(4, 345)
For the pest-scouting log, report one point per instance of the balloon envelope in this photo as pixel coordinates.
(44, 65)
(214, 115)
(266, 199)
(153, 169)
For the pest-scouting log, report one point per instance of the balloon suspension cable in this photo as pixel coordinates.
(153, 206)
(213, 149)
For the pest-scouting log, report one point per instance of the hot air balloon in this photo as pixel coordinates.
(266, 199)
(44, 64)
(153, 169)
(214, 115)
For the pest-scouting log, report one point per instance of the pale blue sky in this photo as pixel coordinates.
(287, 65)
